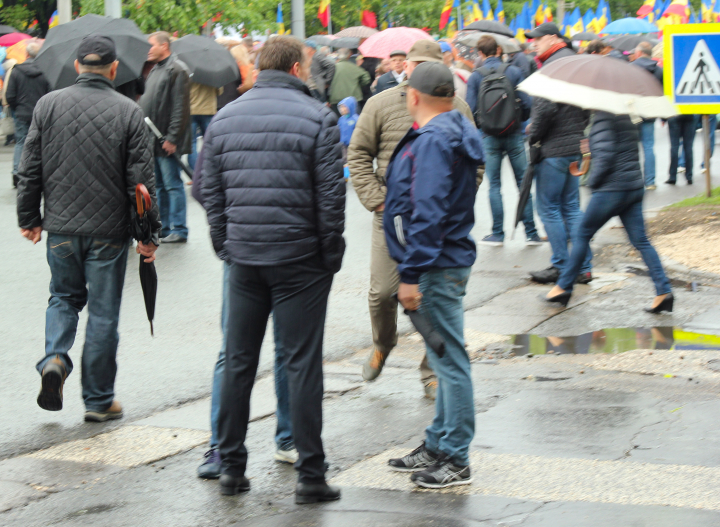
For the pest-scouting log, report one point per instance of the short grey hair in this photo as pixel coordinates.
(162, 37)
(344, 54)
(100, 70)
(32, 49)
(645, 48)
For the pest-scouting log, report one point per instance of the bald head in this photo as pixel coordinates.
(644, 49)
(32, 49)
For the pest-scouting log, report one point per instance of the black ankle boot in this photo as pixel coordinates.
(315, 492)
(230, 485)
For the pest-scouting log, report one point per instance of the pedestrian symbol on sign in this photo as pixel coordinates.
(701, 75)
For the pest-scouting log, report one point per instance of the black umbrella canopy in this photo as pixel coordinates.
(209, 62)
(57, 56)
(585, 35)
(630, 42)
(345, 42)
(491, 26)
(321, 40)
(6, 30)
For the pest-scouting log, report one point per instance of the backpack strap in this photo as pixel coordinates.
(484, 71)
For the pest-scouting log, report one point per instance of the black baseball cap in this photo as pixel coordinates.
(548, 28)
(433, 78)
(99, 45)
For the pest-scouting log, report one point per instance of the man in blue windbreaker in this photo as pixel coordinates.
(430, 200)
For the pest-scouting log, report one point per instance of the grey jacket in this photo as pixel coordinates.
(86, 150)
(322, 70)
(166, 102)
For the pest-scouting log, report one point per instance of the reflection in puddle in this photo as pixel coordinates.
(615, 340)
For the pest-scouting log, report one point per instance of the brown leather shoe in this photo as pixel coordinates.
(51, 391)
(114, 412)
(374, 365)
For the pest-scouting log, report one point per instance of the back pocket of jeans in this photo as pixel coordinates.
(61, 249)
(107, 249)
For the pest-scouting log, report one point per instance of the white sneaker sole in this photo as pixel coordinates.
(282, 458)
(443, 485)
(415, 469)
(491, 244)
(533, 243)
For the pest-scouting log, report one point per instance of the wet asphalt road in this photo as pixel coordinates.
(175, 368)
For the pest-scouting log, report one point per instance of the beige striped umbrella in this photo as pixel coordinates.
(356, 32)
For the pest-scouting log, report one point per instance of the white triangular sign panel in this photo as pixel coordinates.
(701, 75)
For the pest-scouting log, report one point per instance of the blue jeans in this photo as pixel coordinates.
(682, 127)
(453, 427)
(713, 125)
(647, 136)
(495, 148)
(90, 271)
(21, 131)
(558, 203)
(602, 207)
(283, 432)
(200, 124)
(170, 196)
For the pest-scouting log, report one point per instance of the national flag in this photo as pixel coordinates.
(587, 20)
(324, 12)
(645, 9)
(451, 27)
(487, 10)
(717, 11)
(603, 15)
(54, 20)
(369, 19)
(677, 7)
(577, 21)
(500, 12)
(457, 9)
(446, 13)
(527, 17)
(539, 14)
(32, 25)
(477, 11)
(468, 16)
(547, 14)
(279, 21)
(595, 23)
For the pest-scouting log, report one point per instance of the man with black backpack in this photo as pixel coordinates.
(499, 111)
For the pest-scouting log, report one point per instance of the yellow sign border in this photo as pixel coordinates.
(669, 66)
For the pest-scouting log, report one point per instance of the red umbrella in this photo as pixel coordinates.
(380, 45)
(12, 38)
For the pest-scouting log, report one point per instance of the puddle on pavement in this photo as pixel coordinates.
(615, 340)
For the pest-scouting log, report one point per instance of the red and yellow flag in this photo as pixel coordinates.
(646, 8)
(446, 12)
(324, 12)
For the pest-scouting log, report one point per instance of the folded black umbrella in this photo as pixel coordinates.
(526, 185)
(161, 139)
(210, 63)
(141, 230)
(427, 331)
(57, 57)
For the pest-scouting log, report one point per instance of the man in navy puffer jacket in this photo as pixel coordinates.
(275, 197)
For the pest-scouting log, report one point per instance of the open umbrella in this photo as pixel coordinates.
(57, 56)
(381, 44)
(4, 30)
(465, 43)
(141, 230)
(491, 26)
(356, 32)
(321, 40)
(345, 42)
(11, 39)
(630, 42)
(594, 82)
(210, 63)
(629, 26)
(585, 36)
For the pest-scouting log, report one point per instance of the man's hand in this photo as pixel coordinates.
(380, 208)
(169, 147)
(147, 250)
(34, 234)
(409, 296)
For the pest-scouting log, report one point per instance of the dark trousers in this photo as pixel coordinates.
(297, 295)
(681, 127)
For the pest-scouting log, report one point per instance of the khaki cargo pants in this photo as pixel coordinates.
(384, 283)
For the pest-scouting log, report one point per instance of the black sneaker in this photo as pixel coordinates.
(442, 474)
(210, 469)
(546, 276)
(584, 278)
(419, 459)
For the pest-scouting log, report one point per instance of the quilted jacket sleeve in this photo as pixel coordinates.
(362, 151)
(543, 117)
(180, 111)
(329, 192)
(29, 187)
(139, 167)
(603, 146)
(213, 194)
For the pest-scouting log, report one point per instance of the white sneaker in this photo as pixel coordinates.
(286, 456)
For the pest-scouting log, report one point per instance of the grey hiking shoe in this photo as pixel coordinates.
(442, 474)
(419, 459)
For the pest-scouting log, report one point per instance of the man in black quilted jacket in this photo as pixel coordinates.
(85, 152)
(275, 198)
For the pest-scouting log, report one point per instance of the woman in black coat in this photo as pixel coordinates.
(617, 185)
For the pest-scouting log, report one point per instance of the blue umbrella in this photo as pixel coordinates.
(629, 26)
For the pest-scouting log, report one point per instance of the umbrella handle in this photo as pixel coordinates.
(142, 199)
(575, 171)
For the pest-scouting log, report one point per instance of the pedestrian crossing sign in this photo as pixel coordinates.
(692, 75)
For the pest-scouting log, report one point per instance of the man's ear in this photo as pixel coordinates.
(77, 67)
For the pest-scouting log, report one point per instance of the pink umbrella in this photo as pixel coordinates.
(13, 38)
(380, 45)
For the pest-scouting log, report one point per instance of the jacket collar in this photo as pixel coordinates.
(95, 80)
(280, 79)
(492, 61)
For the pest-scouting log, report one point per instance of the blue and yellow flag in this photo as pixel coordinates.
(500, 12)
(487, 10)
(279, 21)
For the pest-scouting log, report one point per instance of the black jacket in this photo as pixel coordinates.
(651, 66)
(273, 182)
(385, 82)
(615, 157)
(558, 127)
(26, 86)
(166, 102)
(86, 150)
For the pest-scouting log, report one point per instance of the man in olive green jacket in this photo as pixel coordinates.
(384, 121)
(348, 81)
